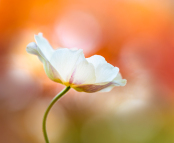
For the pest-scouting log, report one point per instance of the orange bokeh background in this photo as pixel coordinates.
(135, 35)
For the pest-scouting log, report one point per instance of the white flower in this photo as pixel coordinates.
(71, 68)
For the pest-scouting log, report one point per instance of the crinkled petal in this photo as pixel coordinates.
(44, 46)
(118, 81)
(32, 48)
(104, 71)
(64, 61)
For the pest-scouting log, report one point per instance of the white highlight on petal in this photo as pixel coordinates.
(84, 73)
(64, 61)
(44, 46)
(96, 60)
(104, 71)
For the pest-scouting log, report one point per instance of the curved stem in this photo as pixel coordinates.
(48, 109)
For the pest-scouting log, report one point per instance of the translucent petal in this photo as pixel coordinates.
(44, 46)
(104, 71)
(102, 87)
(90, 88)
(51, 72)
(107, 89)
(64, 61)
(32, 48)
(118, 81)
(96, 60)
(84, 73)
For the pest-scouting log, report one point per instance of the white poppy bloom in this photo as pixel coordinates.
(71, 68)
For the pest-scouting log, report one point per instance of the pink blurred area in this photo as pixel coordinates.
(135, 35)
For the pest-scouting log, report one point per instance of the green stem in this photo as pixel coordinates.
(48, 109)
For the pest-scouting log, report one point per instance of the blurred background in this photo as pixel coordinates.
(135, 35)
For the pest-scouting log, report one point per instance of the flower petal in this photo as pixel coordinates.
(96, 60)
(102, 87)
(64, 61)
(32, 48)
(70, 67)
(107, 89)
(44, 46)
(90, 88)
(118, 81)
(104, 71)
(84, 72)
(51, 72)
